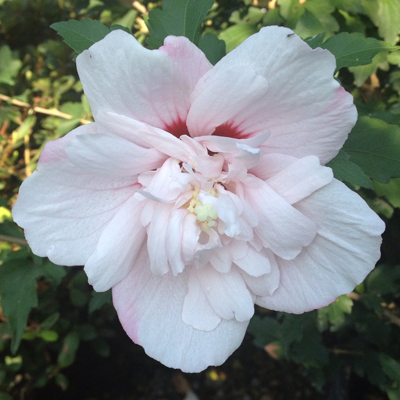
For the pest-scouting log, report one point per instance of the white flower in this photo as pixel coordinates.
(199, 190)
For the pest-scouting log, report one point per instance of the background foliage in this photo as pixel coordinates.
(49, 316)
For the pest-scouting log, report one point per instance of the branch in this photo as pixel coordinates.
(40, 110)
(14, 240)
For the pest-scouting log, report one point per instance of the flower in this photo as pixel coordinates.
(200, 191)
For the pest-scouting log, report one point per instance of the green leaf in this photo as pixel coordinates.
(265, 330)
(179, 18)
(390, 367)
(352, 49)
(374, 146)
(316, 40)
(49, 336)
(384, 279)
(98, 300)
(386, 15)
(68, 351)
(80, 35)
(18, 295)
(5, 396)
(390, 190)
(335, 313)
(212, 47)
(9, 66)
(345, 170)
(236, 34)
(53, 273)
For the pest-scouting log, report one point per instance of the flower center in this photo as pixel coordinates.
(205, 214)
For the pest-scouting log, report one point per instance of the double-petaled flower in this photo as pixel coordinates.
(200, 191)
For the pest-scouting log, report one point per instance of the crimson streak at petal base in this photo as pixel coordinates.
(200, 191)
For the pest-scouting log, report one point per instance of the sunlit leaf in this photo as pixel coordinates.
(236, 34)
(179, 18)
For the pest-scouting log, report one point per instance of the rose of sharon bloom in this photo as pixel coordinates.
(200, 191)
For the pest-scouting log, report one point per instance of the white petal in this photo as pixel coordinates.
(145, 135)
(63, 208)
(153, 86)
(107, 154)
(241, 88)
(282, 228)
(344, 251)
(117, 248)
(304, 108)
(264, 285)
(300, 179)
(197, 311)
(157, 231)
(173, 242)
(254, 263)
(150, 310)
(227, 293)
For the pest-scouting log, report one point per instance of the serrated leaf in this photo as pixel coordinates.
(179, 18)
(265, 330)
(374, 146)
(385, 14)
(352, 49)
(345, 170)
(18, 295)
(212, 47)
(236, 34)
(9, 66)
(335, 312)
(80, 35)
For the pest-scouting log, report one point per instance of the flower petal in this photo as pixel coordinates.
(197, 311)
(107, 154)
(241, 88)
(156, 240)
(150, 310)
(117, 248)
(300, 179)
(151, 86)
(254, 263)
(63, 208)
(304, 108)
(145, 135)
(227, 293)
(344, 251)
(282, 228)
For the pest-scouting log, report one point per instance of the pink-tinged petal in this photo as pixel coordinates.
(254, 263)
(227, 293)
(300, 179)
(157, 231)
(150, 310)
(344, 251)
(281, 228)
(152, 86)
(304, 108)
(197, 311)
(205, 247)
(241, 88)
(221, 260)
(145, 136)
(63, 208)
(161, 182)
(271, 164)
(264, 285)
(209, 166)
(173, 244)
(117, 248)
(190, 237)
(108, 154)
